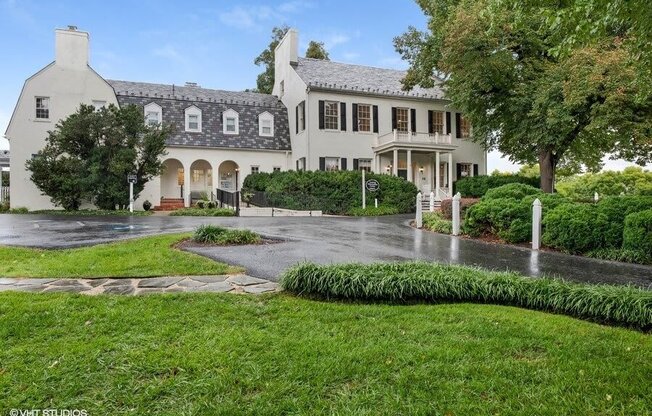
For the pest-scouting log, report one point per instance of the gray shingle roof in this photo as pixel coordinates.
(337, 76)
(212, 103)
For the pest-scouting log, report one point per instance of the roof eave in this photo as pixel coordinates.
(375, 94)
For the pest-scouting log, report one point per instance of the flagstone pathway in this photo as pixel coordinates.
(139, 286)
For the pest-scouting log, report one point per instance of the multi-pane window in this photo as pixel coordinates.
(152, 118)
(302, 115)
(402, 119)
(331, 115)
(364, 117)
(197, 175)
(364, 164)
(438, 122)
(266, 128)
(466, 169)
(255, 169)
(43, 108)
(193, 122)
(230, 124)
(332, 163)
(276, 169)
(465, 127)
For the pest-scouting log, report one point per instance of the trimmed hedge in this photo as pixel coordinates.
(637, 234)
(372, 211)
(203, 212)
(579, 227)
(477, 186)
(331, 192)
(431, 282)
(622, 254)
(435, 221)
(213, 234)
(447, 206)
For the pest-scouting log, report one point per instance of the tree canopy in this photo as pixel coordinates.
(498, 64)
(316, 50)
(90, 153)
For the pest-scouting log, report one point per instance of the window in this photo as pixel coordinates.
(438, 122)
(332, 163)
(193, 119)
(255, 169)
(466, 169)
(98, 104)
(301, 111)
(364, 117)
(402, 119)
(197, 175)
(364, 164)
(276, 169)
(331, 115)
(465, 127)
(266, 124)
(43, 108)
(153, 114)
(231, 121)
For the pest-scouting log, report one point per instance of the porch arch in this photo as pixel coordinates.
(172, 179)
(229, 173)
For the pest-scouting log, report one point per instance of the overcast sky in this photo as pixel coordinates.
(212, 43)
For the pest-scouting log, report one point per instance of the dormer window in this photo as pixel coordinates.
(231, 122)
(266, 124)
(43, 108)
(153, 114)
(99, 104)
(193, 119)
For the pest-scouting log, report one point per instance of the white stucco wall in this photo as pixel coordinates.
(68, 82)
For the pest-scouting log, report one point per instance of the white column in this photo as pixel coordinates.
(456, 214)
(377, 163)
(409, 166)
(450, 173)
(419, 216)
(536, 224)
(437, 174)
(395, 165)
(186, 185)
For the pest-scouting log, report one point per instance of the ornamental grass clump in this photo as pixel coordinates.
(431, 282)
(213, 234)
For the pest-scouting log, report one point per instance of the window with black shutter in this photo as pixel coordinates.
(430, 129)
(343, 116)
(393, 118)
(413, 121)
(321, 115)
(355, 164)
(343, 163)
(322, 163)
(296, 119)
(475, 169)
(354, 118)
(375, 119)
(448, 122)
(458, 125)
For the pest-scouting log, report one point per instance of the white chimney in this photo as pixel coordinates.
(71, 48)
(288, 47)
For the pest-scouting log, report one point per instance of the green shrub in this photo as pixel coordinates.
(477, 186)
(622, 254)
(435, 221)
(330, 192)
(212, 234)
(4, 207)
(581, 227)
(432, 282)
(512, 191)
(637, 234)
(18, 210)
(203, 212)
(631, 181)
(447, 206)
(372, 211)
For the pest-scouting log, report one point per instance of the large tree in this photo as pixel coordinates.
(90, 153)
(316, 50)
(498, 66)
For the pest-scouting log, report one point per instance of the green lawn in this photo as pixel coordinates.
(229, 354)
(143, 257)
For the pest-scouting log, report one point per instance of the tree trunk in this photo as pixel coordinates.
(547, 164)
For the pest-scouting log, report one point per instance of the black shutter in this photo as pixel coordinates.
(343, 116)
(393, 118)
(448, 122)
(375, 119)
(459, 171)
(475, 169)
(354, 118)
(430, 122)
(413, 121)
(322, 163)
(296, 120)
(297, 165)
(303, 115)
(321, 114)
(343, 163)
(458, 125)
(355, 164)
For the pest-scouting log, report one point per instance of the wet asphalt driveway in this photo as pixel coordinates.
(322, 240)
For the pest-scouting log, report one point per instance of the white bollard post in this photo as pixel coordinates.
(456, 214)
(536, 224)
(131, 197)
(596, 197)
(376, 202)
(419, 219)
(432, 201)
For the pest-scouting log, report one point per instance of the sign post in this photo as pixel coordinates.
(132, 179)
(364, 193)
(372, 185)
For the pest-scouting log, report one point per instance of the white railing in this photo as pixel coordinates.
(443, 193)
(416, 137)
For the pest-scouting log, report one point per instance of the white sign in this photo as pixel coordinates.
(372, 185)
(132, 178)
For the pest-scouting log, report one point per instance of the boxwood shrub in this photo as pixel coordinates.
(331, 192)
(477, 186)
(637, 234)
(431, 282)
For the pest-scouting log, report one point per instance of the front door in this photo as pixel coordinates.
(402, 173)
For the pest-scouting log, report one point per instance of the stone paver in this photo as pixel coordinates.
(142, 286)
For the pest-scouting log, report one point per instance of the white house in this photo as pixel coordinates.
(346, 116)
(322, 115)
